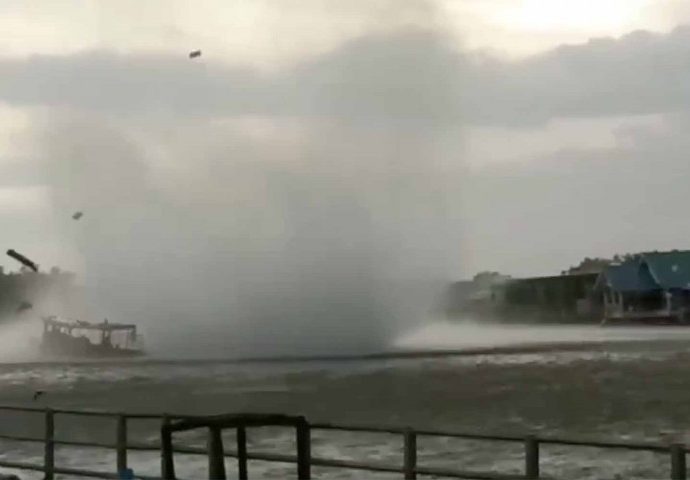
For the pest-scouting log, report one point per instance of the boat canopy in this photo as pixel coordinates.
(104, 326)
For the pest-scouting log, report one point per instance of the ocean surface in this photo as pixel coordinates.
(608, 383)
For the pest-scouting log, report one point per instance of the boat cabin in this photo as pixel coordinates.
(80, 338)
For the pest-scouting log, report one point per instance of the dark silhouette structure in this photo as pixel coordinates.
(22, 259)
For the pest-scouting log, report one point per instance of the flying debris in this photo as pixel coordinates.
(77, 215)
(22, 259)
(24, 306)
(195, 54)
(38, 394)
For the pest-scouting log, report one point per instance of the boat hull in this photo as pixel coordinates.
(76, 347)
(74, 339)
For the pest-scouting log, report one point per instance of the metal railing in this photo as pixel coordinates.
(409, 469)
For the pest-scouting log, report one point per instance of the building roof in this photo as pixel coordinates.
(649, 271)
(671, 270)
(627, 277)
(563, 276)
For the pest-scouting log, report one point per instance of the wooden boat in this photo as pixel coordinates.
(76, 338)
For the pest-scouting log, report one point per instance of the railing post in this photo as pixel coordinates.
(121, 443)
(167, 460)
(216, 455)
(678, 468)
(303, 450)
(49, 453)
(242, 453)
(531, 457)
(410, 452)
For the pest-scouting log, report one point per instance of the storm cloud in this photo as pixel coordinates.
(410, 74)
(314, 207)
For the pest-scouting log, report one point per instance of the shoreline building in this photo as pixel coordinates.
(647, 288)
(558, 298)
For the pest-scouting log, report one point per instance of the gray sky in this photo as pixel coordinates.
(560, 126)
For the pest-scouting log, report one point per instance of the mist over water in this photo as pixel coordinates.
(253, 237)
(472, 334)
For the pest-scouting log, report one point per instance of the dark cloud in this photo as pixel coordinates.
(314, 245)
(405, 75)
(125, 84)
(541, 216)
(640, 73)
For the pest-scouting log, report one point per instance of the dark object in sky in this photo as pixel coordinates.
(77, 215)
(195, 53)
(24, 306)
(22, 259)
(37, 394)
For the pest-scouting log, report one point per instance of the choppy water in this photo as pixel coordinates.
(630, 383)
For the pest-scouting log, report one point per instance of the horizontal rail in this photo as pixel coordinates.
(617, 444)
(677, 451)
(354, 465)
(279, 458)
(95, 413)
(86, 413)
(261, 456)
(71, 443)
(622, 445)
(358, 428)
(614, 444)
(426, 433)
(651, 447)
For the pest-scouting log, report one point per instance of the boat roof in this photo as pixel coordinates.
(80, 324)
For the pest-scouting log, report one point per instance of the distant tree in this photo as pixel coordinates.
(589, 265)
(487, 278)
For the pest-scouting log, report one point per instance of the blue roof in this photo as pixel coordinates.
(671, 270)
(649, 271)
(629, 277)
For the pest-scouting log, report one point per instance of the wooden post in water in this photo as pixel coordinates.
(242, 453)
(303, 450)
(167, 461)
(216, 455)
(678, 467)
(49, 453)
(410, 454)
(121, 443)
(531, 457)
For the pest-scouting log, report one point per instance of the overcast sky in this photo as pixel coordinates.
(561, 126)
